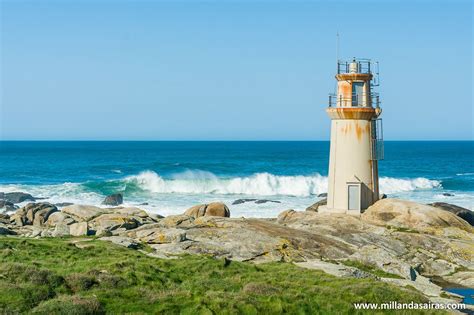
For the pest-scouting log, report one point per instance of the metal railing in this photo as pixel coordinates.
(356, 100)
(363, 65)
(377, 140)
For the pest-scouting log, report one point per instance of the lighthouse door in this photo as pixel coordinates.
(353, 191)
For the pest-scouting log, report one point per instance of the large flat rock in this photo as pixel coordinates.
(83, 212)
(412, 215)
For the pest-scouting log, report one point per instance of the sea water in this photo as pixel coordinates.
(169, 177)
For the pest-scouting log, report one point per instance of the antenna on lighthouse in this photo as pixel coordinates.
(337, 46)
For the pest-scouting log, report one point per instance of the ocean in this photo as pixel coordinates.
(172, 176)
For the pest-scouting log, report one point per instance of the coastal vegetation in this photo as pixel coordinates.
(83, 259)
(88, 276)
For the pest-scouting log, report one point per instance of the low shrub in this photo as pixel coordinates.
(259, 288)
(80, 281)
(70, 305)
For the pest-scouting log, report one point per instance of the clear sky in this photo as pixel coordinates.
(228, 70)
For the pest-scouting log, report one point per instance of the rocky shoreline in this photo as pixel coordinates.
(395, 241)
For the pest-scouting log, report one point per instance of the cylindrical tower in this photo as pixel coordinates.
(356, 139)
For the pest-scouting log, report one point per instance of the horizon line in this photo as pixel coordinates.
(209, 140)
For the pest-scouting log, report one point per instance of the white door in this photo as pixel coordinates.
(354, 197)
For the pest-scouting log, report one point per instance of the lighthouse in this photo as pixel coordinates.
(356, 138)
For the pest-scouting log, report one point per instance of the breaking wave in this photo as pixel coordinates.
(201, 182)
(195, 182)
(262, 184)
(389, 185)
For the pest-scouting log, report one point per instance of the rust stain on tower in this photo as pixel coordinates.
(359, 131)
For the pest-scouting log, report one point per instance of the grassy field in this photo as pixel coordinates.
(54, 276)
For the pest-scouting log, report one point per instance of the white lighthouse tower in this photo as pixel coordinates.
(356, 138)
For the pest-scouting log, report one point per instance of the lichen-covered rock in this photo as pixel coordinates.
(216, 209)
(411, 215)
(246, 240)
(122, 241)
(437, 266)
(130, 211)
(43, 213)
(84, 213)
(79, 229)
(89, 213)
(132, 233)
(61, 229)
(285, 215)
(139, 215)
(292, 215)
(314, 207)
(155, 216)
(170, 250)
(35, 232)
(399, 248)
(196, 211)
(58, 218)
(161, 235)
(464, 278)
(180, 220)
(33, 214)
(113, 221)
(46, 233)
(384, 259)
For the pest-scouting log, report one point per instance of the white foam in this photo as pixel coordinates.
(260, 184)
(175, 194)
(389, 185)
(202, 182)
(66, 192)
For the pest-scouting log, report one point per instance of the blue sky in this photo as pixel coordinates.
(228, 70)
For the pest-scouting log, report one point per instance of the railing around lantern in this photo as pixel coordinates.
(377, 140)
(363, 66)
(355, 100)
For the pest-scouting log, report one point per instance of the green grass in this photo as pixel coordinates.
(53, 276)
